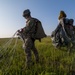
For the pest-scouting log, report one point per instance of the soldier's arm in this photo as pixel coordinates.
(58, 28)
(62, 22)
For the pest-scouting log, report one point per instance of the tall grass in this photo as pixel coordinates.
(52, 61)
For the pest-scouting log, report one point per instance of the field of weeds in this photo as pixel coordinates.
(52, 61)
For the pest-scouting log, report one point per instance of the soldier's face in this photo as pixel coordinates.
(26, 17)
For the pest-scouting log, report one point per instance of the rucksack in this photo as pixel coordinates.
(69, 27)
(39, 31)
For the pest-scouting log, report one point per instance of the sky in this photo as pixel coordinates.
(47, 11)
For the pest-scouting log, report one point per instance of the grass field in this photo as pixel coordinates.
(52, 61)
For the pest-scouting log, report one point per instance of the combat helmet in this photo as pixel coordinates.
(62, 14)
(26, 12)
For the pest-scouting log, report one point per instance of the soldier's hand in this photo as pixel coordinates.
(18, 30)
(22, 29)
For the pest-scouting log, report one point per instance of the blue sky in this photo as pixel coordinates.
(46, 11)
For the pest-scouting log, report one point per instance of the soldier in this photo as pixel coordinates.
(60, 30)
(61, 18)
(29, 30)
(67, 25)
(63, 21)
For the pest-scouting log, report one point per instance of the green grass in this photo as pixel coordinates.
(52, 61)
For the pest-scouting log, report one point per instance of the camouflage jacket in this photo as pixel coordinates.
(29, 29)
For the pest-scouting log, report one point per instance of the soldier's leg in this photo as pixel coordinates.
(28, 46)
(28, 56)
(35, 53)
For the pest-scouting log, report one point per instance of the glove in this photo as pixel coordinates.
(18, 31)
(21, 30)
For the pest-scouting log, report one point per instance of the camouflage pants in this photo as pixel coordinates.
(29, 45)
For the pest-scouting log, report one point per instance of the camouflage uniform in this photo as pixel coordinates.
(29, 41)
